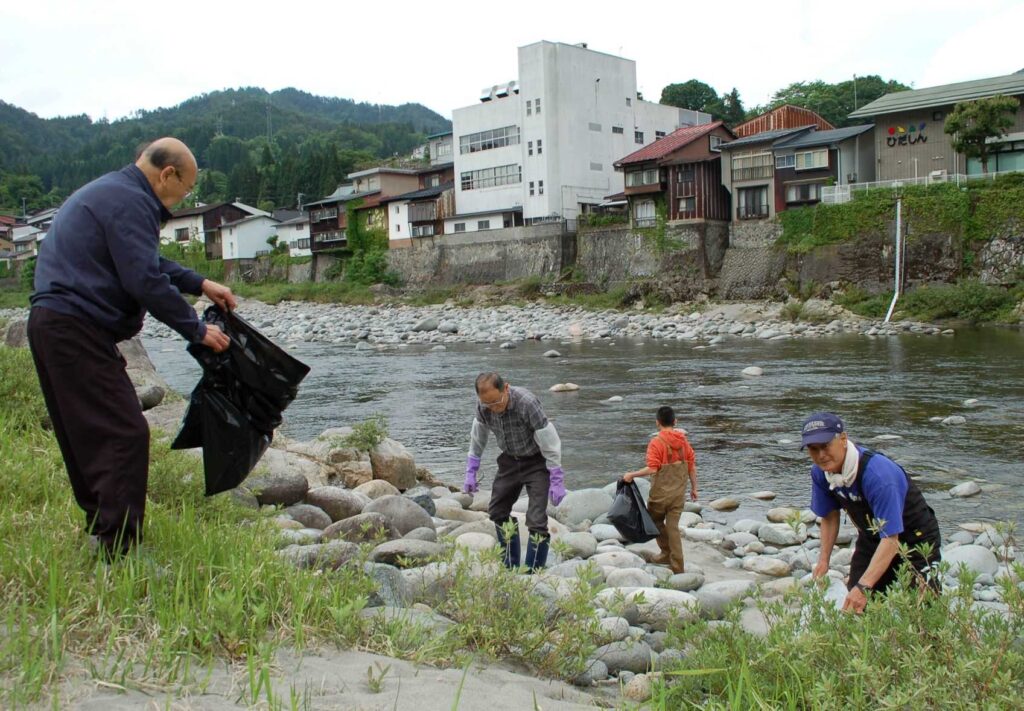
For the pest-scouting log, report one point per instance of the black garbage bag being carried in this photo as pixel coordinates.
(237, 404)
(629, 514)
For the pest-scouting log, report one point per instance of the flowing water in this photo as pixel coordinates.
(745, 430)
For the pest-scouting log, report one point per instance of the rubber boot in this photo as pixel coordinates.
(510, 548)
(537, 551)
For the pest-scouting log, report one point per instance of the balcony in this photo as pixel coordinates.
(423, 212)
(334, 238)
(328, 213)
(760, 172)
(751, 212)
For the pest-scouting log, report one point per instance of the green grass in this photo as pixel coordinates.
(967, 300)
(14, 298)
(329, 292)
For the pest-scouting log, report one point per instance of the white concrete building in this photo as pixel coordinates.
(295, 233)
(544, 146)
(247, 238)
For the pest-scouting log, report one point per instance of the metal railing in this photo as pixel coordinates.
(839, 194)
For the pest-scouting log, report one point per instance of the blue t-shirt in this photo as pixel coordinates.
(882, 483)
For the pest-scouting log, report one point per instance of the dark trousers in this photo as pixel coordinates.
(98, 422)
(865, 550)
(513, 474)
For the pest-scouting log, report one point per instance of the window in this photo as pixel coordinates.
(483, 224)
(398, 227)
(396, 209)
(460, 226)
(752, 203)
(643, 213)
(684, 174)
(433, 181)
(540, 146)
(595, 126)
(424, 230)
(629, 101)
(715, 143)
(486, 140)
(637, 178)
(806, 192)
(659, 134)
(638, 136)
(687, 208)
(529, 148)
(785, 161)
(536, 105)
(531, 188)
(181, 234)
(540, 187)
(303, 243)
(529, 107)
(444, 149)
(616, 129)
(810, 160)
(596, 166)
(491, 177)
(752, 166)
(422, 211)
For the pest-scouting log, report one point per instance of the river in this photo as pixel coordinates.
(745, 430)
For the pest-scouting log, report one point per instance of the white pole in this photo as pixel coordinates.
(896, 276)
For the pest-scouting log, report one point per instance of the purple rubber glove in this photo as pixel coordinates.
(556, 492)
(472, 467)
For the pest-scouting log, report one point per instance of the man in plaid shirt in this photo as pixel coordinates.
(531, 456)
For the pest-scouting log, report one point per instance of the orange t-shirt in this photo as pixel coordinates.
(664, 448)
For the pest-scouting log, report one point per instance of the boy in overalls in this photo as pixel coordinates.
(667, 453)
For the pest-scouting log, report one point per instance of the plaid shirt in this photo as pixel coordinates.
(514, 427)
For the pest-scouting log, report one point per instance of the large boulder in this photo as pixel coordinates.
(629, 578)
(451, 510)
(714, 598)
(766, 565)
(361, 528)
(280, 460)
(338, 503)
(408, 617)
(631, 656)
(782, 534)
(582, 505)
(578, 545)
(376, 488)
(393, 463)
(618, 559)
(976, 558)
(403, 515)
(16, 335)
(406, 552)
(657, 607)
(322, 556)
(282, 487)
(309, 516)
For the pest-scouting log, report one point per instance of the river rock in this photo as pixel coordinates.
(309, 516)
(706, 535)
(403, 515)
(564, 388)
(448, 327)
(406, 552)
(428, 324)
(686, 582)
(977, 558)
(766, 565)
(150, 396)
(726, 503)
(740, 538)
(716, 597)
(475, 541)
(613, 398)
(283, 487)
(389, 586)
(593, 671)
(748, 525)
(424, 533)
(656, 607)
(452, 510)
(322, 556)
(393, 463)
(614, 629)
(362, 528)
(764, 495)
(970, 402)
(962, 491)
(782, 534)
(577, 568)
(605, 532)
(634, 656)
(401, 617)
(617, 559)
(953, 420)
(638, 689)
(552, 354)
(782, 514)
(582, 505)
(422, 498)
(629, 578)
(753, 371)
(578, 545)
(376, 489)
(337, 502)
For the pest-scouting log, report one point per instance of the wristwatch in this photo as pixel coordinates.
(862, 587)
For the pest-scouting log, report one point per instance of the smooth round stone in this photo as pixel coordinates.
(614, 398)
(552, 354)
(781, 514)
(763, 495)
(970, 402)
(726, 503)
(686, 582)
(629, 578)
(953, 420)
(753, 371)
(564, 388)
(605, 532)
(964, 490)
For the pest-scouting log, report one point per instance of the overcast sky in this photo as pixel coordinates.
(64, 57)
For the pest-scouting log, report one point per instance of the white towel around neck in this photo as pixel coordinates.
(849, 473)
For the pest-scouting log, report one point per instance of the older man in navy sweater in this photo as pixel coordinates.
(98, 272)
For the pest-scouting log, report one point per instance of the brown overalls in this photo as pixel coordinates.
(665, 504)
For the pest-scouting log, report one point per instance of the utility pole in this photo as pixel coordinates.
(854, 92)
(24, 213)
(299, 200)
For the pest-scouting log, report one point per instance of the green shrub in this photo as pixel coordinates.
(365, 436)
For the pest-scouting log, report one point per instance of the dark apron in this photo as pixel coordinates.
(919, 526)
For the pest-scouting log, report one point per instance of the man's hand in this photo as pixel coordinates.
(855, 601)
(216, 339)
(220, 295)
(628, 477)
(472, 467)
(556, 490)
(820, 569)
(693, 493)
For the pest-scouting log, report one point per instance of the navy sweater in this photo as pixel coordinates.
(101, 262)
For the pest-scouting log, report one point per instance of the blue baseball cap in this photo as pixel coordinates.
(820, 428)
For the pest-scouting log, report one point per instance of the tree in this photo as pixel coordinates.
(734, 113)
(834, 102)
(972, 123)
(693, 94)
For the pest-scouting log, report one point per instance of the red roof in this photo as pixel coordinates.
(668, 144)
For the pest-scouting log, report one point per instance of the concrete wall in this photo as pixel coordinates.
(754, 233)
(483, 257)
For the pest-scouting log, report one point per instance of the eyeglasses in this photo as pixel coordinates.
(496, 403)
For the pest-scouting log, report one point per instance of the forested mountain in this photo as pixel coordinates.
(259, 146)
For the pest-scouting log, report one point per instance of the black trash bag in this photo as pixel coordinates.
(629, 514)
(237, 404)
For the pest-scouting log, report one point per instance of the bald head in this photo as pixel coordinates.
(170, 168)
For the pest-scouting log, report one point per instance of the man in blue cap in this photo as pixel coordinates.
(881, 500)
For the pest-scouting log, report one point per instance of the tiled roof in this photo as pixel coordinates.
(1009, 85)
(248, 218)
(765, 137)
(201, 210)
(667, 144)
(823, 138)
(420, 194)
